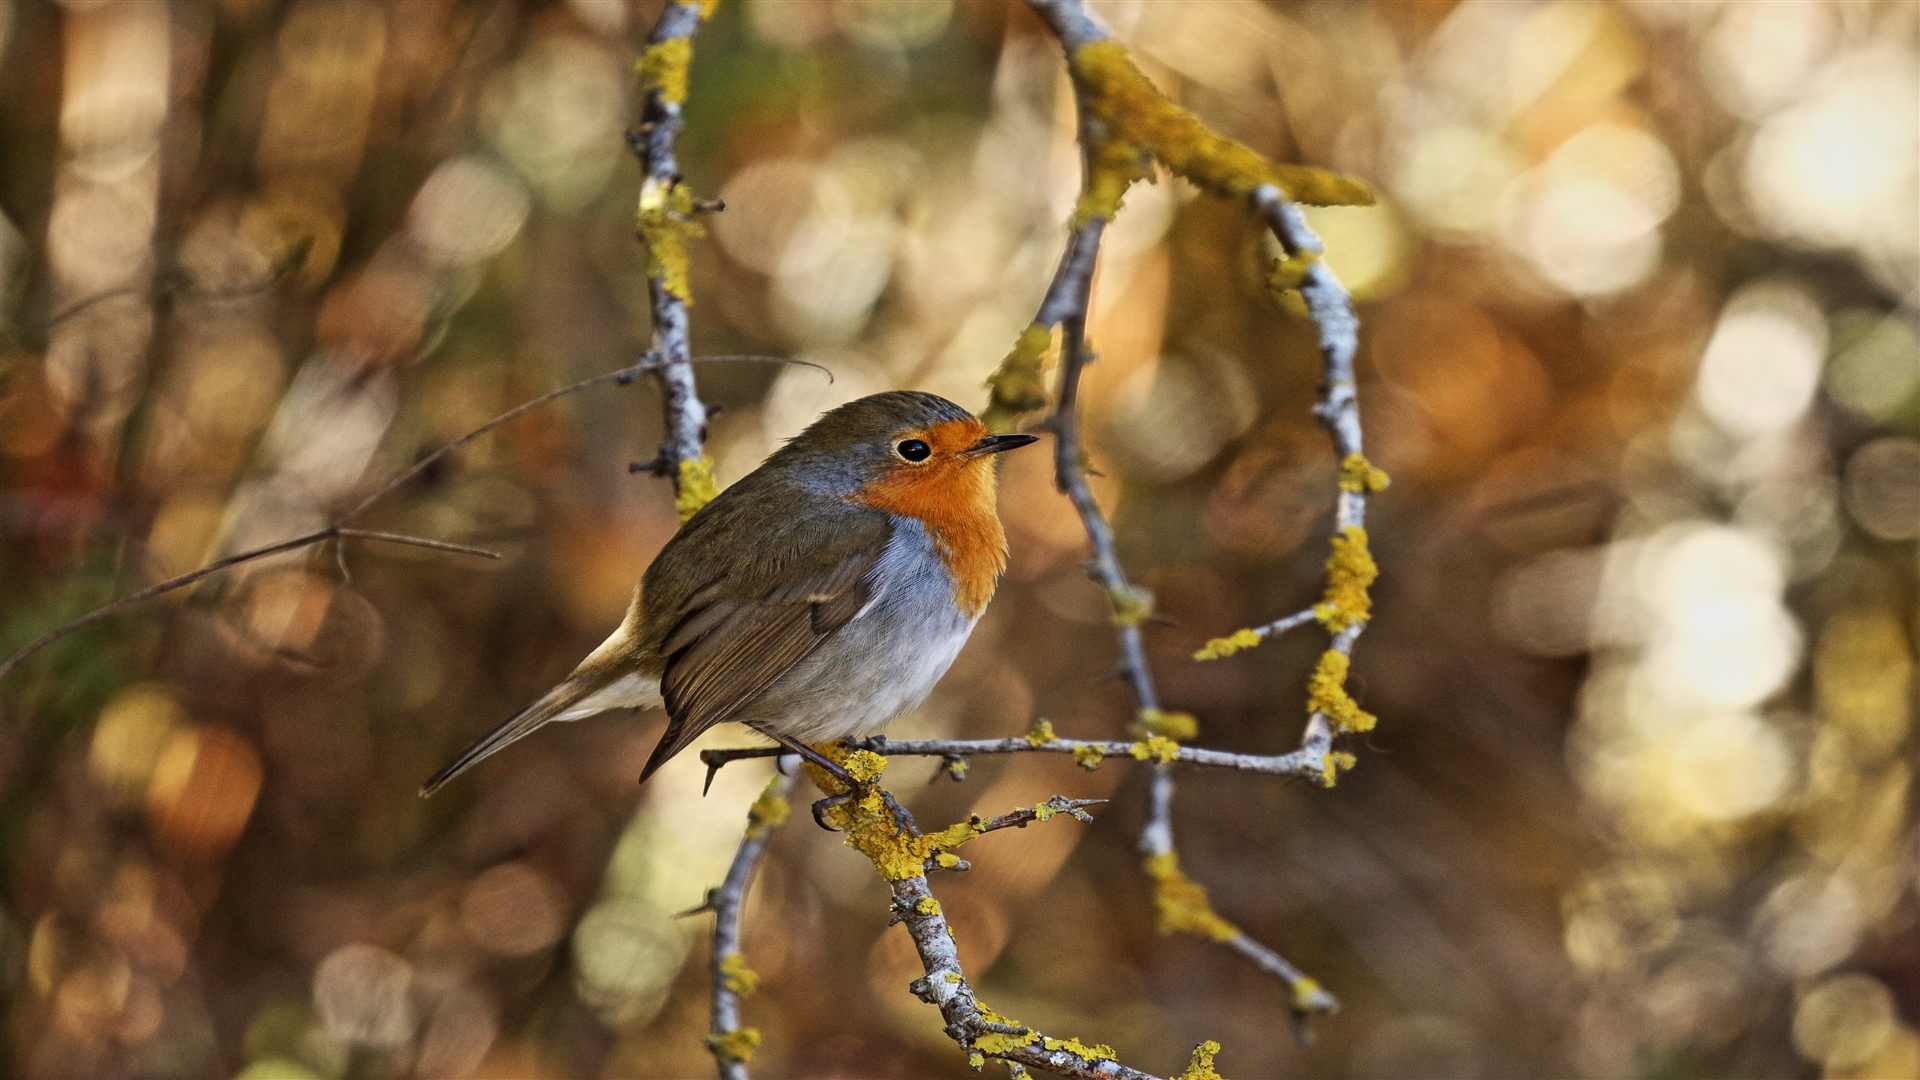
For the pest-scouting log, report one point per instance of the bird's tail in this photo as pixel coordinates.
(587, 691)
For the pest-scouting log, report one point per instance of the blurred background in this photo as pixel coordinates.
(1640, 353)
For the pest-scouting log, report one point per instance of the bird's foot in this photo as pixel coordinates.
(902, 820)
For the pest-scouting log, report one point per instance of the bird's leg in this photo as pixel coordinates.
(856, 789)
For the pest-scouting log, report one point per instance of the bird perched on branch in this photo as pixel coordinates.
(816, 599)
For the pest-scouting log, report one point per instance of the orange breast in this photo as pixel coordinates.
(953, 497)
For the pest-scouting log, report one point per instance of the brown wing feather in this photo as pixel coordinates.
(724, 653)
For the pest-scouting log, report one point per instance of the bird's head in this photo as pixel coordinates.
(902, 451)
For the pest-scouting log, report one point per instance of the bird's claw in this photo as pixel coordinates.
(902, 820)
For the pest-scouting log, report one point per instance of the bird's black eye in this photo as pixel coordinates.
(913, 449)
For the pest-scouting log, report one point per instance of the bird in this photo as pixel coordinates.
(815, 599)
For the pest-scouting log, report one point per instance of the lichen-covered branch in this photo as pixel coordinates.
(732, 1044)
(666, 221)
(904, 860)
(1089, 753)
(1126, 125)
(1345, 605)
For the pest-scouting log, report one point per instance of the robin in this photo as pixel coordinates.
(816, 599)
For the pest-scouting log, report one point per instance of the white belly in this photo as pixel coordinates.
(881, 664)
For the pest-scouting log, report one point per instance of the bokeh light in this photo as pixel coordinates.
(1638, 348)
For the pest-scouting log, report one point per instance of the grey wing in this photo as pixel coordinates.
(725, 650)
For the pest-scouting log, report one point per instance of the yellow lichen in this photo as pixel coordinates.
(735, 1046)
(1089, 756)
(946, 860)
(736, 976)
(1287, 274)
(1180, 903)
(1350, 571)
(976, 1060)
(1201, 1068)
(663, 67)
(1332, 765)
(1040, 734)
(998, 1043)
(1138, 115)
(1307, 996)
(1016, 387)
(1155, 748)
(1096, 1052)
(695, 488)
(869, 824)
(667, 225)
(954, 977)
(1221, 647)
(1177, 726)
(956, 767)
(927, 906)
(1112, 168)
(1357, 474)
(769, 811)
(1132, 605)
(1327, 694)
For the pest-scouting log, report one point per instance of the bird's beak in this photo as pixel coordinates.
(994, 444)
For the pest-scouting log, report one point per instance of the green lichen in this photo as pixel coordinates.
(695, 487)
(1327, 694)
(1139, 118)
(1177, 726)
(1040, 734)
(1357, 475)
(1016, 387)
(735, 1046)
(736, 976)
(1350, 573)
(1180, 903)
(1221, 647)
(1155, 748)
(1089, 756)
(1201, 1068)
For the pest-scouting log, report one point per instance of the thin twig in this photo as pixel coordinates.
(1297, 763)
(1339, 407)
(728, 902)
(653, 143)
(1076, 29)
(339, 530)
